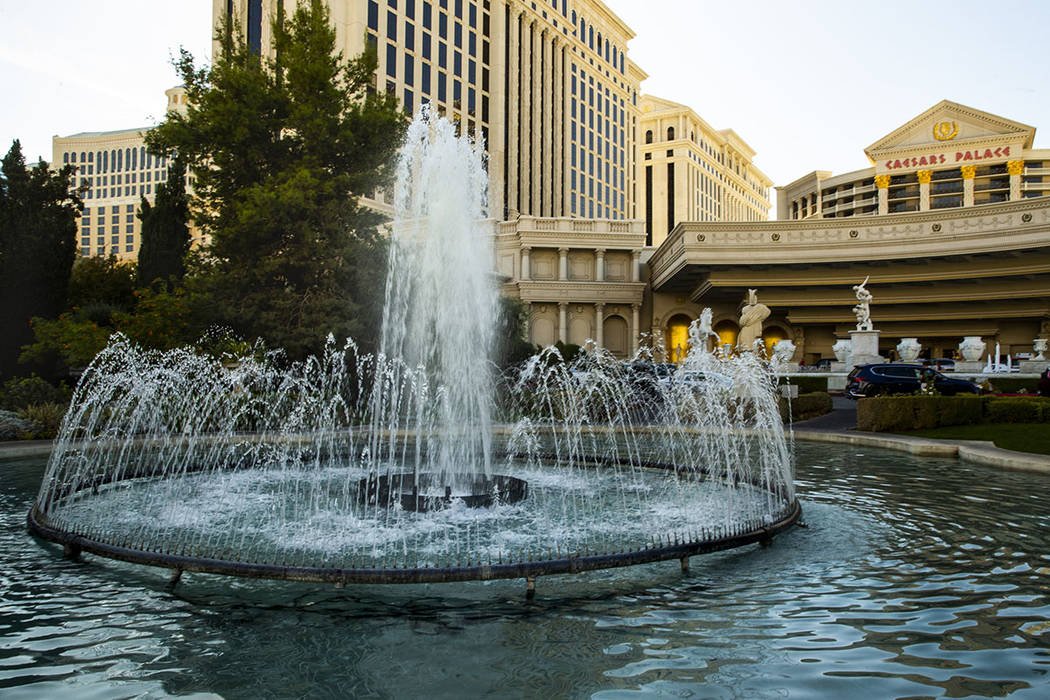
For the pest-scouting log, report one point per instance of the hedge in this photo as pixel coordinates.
(806, 385)
(905, 413)
(1014, 385)
(1016, 410)
(806, 406)
(883, 414)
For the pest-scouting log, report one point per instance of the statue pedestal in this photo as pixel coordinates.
(1034, 366)
(838, 367)
(964, 366)
(864, 348)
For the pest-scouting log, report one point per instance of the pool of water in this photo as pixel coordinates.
(915, 577)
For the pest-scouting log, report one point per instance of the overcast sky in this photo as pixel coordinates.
(807, 84)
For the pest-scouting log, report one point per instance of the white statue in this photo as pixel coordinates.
(701, 330)
(751, 318)
(863, 309)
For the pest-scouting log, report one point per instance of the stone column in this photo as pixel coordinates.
(968, 171)
(536, 86)
(524, 173)
(1016, 169)
(513, 69)
(599, 326)
(563, 321)
(599, 264)
(526, 265)
(882, 182)
(924, 189)
(563, 264)
(636, 265)
(635, 330)
(558, 169)
(544, 176)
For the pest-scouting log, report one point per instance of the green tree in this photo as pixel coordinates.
(100, 286)
(38, 212)
(165, 230)
(282, 148)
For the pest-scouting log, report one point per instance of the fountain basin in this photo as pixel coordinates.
(429, 491)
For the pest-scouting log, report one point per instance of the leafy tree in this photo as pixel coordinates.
(511, 346)
(38, 213)
(282, 148)
(165, 230)
(101, 285)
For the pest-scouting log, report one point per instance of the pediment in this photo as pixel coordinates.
(650, 103)
(948, 123)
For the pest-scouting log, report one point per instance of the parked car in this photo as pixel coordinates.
(873, 380)
(823, 364)
(944, 364)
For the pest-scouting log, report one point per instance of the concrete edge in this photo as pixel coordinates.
(973, 451)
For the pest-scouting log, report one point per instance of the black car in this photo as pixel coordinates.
(873, 380)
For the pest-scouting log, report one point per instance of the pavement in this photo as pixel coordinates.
(843, 417)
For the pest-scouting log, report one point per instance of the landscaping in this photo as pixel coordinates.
(1022, 437)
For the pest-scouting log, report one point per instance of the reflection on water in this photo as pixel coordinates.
(916, 577)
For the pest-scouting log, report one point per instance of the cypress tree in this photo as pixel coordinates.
(282, 148)
(165, 230)
(38, 213)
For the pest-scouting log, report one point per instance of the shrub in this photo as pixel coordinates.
(904, 413)
(1013, 385)
(46, 418)
(807, 385)
(19, 392)
(12, 427)
(806, 406)
(1001, 410)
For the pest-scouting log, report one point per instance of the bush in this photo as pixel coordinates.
(1002, 410)
(1013, 385)
(807, 385)
(20, 392)
(13, 427)
(46, 418)
(806, 406)
(904, 413)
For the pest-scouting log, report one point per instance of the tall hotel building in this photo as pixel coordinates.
(548, 85)
(113, 171)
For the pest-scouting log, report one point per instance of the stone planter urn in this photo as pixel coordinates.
(909, 349)
(842, 349)
(1039, 347)
(972, 347)
(783, 351)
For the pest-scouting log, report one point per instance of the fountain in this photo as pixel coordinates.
(420, 463)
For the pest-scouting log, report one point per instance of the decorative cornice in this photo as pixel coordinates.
(976, 230)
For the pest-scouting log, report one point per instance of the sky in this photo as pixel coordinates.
(807, 84)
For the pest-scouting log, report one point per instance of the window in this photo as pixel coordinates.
(391, 26)
(426, 45)
(670, 133)
(373, 15)
(410, 37)
(424, 78)
(391, 60)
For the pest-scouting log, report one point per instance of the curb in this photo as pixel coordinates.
(973, 451)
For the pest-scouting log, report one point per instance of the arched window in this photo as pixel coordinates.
(599, 49)
(574, 18)
(670, 133)
(590, 36)
(649, 136)
(114, 160)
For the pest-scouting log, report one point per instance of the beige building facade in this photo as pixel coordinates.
(113, 171)
(949, 156)
(690, 171)
(951, 226)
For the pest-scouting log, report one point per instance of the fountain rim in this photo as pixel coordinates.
(671, 546)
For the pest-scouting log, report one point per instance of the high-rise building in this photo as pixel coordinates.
(113, 171)
(548, 85)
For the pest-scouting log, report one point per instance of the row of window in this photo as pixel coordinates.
(115, 160)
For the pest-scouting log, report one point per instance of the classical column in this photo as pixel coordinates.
(636, 265)
(883, 183)
(524, 173)
(548, 85)
(599, 264)
(968, 171)
(563, 264)
(513, 69)
(924, 189)
(563, 321)
(599, 325)
(526, 265)
(536, 87)
(635, 330)
(557, 169)
(1016, 169)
